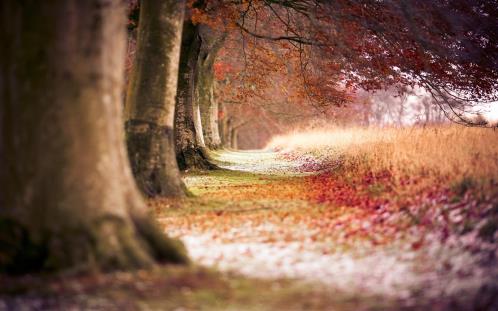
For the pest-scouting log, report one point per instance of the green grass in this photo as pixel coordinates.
(200, 182)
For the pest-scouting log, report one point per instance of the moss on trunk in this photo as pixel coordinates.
(152, 158)
(151, 99)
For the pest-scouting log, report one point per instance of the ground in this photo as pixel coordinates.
(267, 216)
(276, 231)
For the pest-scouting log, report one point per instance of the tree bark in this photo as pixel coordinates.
(211, 43)
(226, 130)
(234, 135)
(223, 125)
(150, 106)
(190, 145)
(68, 199)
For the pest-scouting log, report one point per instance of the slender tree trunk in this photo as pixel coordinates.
(234, 134)
(214, 113)
(68, 199)
(190, 145)
(222, 124)
(227, 132)
(150, 106)
(197, 117)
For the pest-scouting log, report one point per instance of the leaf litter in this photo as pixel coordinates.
(270, 215)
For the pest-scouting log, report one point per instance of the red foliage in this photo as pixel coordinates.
(220, 70)
(315, 54)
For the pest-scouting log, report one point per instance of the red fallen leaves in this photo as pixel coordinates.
(330, 188)
(346, 208)
(418, 244)
(311, 166)
(366, 206)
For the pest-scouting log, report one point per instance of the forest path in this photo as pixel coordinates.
(263, 216)
(258, 162)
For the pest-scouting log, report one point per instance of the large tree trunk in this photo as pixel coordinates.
(68, 198)
(211, 43)
(150, 106)
(190, 146)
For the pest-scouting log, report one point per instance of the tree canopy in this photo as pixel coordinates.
(447, 47)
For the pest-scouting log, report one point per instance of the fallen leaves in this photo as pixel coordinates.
(302, 225)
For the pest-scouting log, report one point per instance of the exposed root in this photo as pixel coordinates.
(107, 243)
(195, 158)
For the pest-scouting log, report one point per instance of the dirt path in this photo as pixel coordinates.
(278, 248)
(258, 162)
(258, 218)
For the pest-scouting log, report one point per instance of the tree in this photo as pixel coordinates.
(150, 106)
(211, 43)
(68, 197)
(196, 109)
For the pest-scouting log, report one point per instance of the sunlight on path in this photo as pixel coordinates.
(257, 161)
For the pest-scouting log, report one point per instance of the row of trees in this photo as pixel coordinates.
(69, 200)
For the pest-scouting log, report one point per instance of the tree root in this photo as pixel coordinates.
(105, 244)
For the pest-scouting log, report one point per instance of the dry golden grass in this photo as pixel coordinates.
(442, 152)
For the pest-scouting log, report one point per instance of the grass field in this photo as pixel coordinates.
(434, 154)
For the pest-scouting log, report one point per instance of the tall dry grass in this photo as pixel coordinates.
(443, 152)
